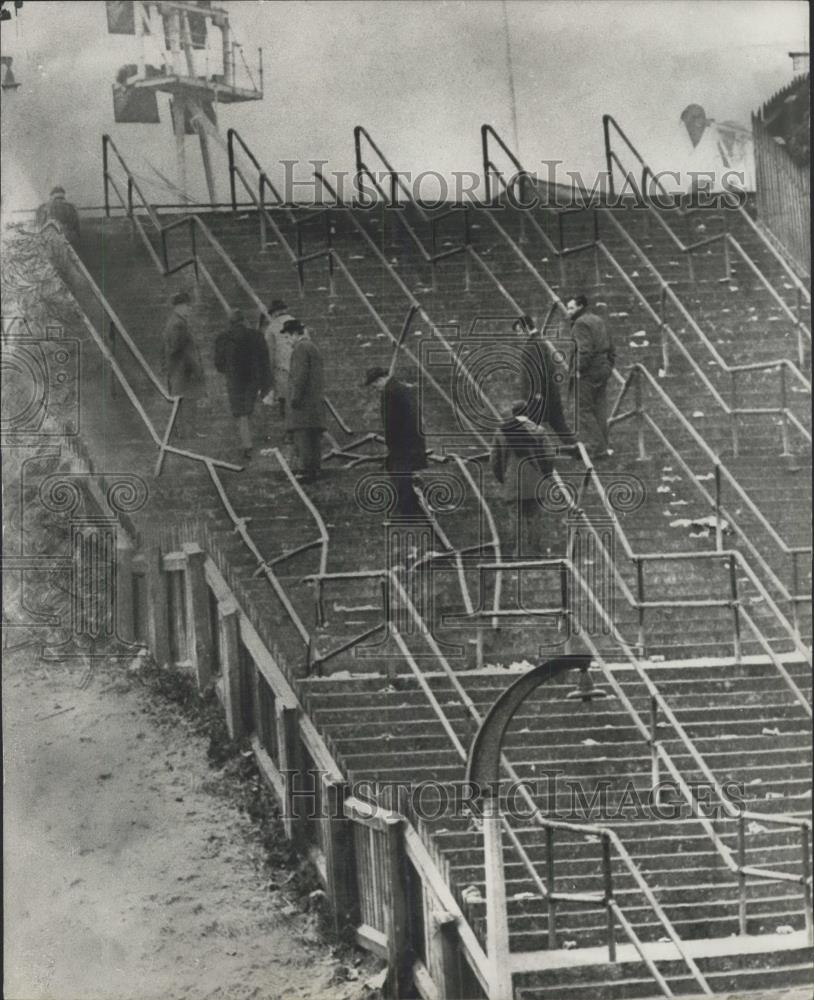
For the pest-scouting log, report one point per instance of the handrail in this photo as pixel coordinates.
(399, 281)
(490, 168)
(195, 223)
(640, 369)
(667, 291)
(802, 292)
(784, 674)
(397, 184)
(207, 461)
(776, 539)
(788, 417)
(557, 302)
(592, 829)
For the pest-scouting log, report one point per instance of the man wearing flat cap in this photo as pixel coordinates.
(182, 363)
(305, 404)
(61, 211)
(403, 436)
(241, 356)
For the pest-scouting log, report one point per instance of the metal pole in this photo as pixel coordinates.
(194, 245)
(262, 185)
(487, 180)
(736, 620)
(552, 905)
(300, 267)
(795, 586)
(642, 456)
(565, 598)
(640, 601)
(230, 148)
(719, 543)
(784, 420)
(105, 172)
(608, 160)
(329, 241)
(608, 876)
(655, 776)
(497, 918)
(741, 875)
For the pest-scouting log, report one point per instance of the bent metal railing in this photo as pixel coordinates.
(736, 557)
(318, 580)
(556, 302)
(239, 524)
(781, 366)
(788, 418)
(646, 195)
(315, 660)
(194, 223)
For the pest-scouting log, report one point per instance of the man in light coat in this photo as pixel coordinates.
(305, 410)
(280, 345)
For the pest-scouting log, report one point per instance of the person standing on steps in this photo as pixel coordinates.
(182, 365)
(305, 402)
(280, 345)
(241, 356)
(403, 436)
(541, 379)
(62, 211)
(595, 361)
(522, 455)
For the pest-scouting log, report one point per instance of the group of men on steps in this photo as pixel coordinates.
(277, 363)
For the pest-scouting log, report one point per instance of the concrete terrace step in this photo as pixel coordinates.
(395, 734)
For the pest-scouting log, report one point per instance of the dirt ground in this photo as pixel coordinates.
(130, 872)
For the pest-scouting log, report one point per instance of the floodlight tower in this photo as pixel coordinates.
(176, 57)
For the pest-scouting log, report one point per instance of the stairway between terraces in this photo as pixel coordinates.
(351, 353)
(754, 530)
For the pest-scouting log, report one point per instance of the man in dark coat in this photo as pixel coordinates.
(595, 360)
(182, 363)
(406, 446)
(305, 409)
(242, 357)
(523, 455)
(61, 211)
(541, 377)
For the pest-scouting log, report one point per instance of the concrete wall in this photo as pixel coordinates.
(422, 76)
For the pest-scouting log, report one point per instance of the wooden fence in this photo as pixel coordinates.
(783, 195)
(377, 873)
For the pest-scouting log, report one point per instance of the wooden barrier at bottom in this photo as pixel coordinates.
(372, 862)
